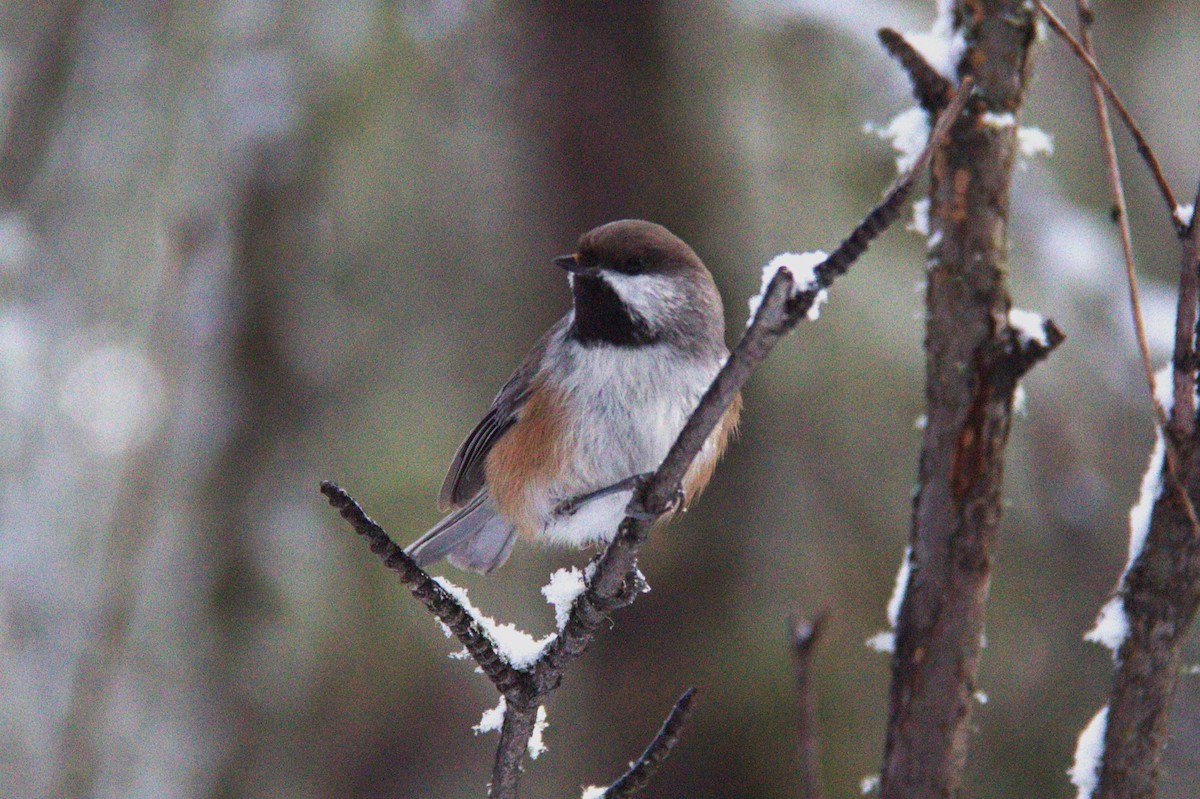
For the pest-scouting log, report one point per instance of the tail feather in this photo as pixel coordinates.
(475, 537)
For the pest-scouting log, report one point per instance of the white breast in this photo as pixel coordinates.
(628, 406)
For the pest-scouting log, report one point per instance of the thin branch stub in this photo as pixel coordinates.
(932, 90)
(641, 772)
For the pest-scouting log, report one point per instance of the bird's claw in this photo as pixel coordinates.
(569, 506)
(638, 511)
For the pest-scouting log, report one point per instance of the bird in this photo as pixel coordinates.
(598, 401)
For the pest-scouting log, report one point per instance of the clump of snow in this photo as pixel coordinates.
(869, 784)
(885, 641)
(1029, 325)
(1032, 142)
(992, 119)
(920, 218)
(1112, 625)
(941, 46)
(593, 792)
(564, 588)
(1183, 214)
(536, 745)
(897, 598)
(1020, 399)
(907, 132)
(1085, 772)
(492, 719)
(517, 647)
(802, 268)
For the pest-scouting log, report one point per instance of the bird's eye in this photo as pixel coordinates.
(633, 265)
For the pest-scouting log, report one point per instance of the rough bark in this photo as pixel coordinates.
(971, 377)
(1161, 590)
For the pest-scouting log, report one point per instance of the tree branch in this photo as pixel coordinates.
(974, 360)
(932, 90)
(640, 773)
(804, 643)
(34, 108)
(1143, 147)
(518, 726)
(441, 604)
(1160, 593)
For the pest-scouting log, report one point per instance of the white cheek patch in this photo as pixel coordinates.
(655, 298)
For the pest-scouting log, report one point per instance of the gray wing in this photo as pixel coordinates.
(465, 478)
(475, 537)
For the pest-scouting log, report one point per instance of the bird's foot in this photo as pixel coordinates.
(569, 506)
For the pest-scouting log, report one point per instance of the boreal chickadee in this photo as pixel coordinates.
(600, 398)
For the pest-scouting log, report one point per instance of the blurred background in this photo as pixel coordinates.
(247, 245)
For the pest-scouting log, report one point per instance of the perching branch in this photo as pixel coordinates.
(441, 604)
(804, 643)
(641, 772)
(515, 733)
(615, 581)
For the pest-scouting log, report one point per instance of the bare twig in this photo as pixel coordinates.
(641, 772)
(932, 89)
(1180, 421)
(1143, 147)
(804, 642)
(1183, 410)
(1120, 210)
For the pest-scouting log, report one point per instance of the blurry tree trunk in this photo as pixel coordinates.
(273, 404)
(123, 178)
(598, 92)
(969, 388)
(34, 111)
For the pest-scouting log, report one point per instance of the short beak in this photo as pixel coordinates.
(572, 264)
